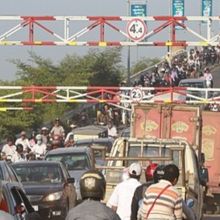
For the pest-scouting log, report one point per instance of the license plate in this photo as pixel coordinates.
(35, 207)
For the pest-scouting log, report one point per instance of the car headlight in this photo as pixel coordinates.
(53, 196)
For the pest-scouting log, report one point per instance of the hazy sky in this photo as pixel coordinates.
(76, 8)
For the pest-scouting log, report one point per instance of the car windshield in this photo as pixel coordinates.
(72, 161)
(39, 173)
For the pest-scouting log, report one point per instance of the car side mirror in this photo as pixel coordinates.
(190, 203)
(202, 158)
(204, 176)
(71, 180)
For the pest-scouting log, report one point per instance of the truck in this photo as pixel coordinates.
(199, 127)
(188, 133)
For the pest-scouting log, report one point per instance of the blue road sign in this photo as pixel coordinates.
(178, 10)
(138, 10)
(178, 7)
(206, 7)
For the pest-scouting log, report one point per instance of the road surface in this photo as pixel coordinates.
(211, 217)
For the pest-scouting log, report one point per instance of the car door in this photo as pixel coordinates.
(18, 203)
(69, 188)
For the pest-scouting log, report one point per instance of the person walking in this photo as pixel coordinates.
(162, 200)
(92, 188)
(120, 200)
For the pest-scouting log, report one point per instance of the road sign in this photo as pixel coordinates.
(138, 10)
(136, 29)
(206, 7)
(136, 94)
(178, 10)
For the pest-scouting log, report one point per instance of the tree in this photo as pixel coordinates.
(143, 64)
(106, 69)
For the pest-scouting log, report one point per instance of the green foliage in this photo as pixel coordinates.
(143, 64)
(97, 68)
(106, 69)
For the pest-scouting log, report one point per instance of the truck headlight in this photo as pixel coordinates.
(53, 196)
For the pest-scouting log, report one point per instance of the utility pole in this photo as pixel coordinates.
(170, 14)
(129, 52)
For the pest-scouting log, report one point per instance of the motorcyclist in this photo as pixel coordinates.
(19, 154)
(39, 149)
(24, 141)
(8, 149)
(57, 129)
(70, 135)
(158, 173)
(92, 188)
(152, 175)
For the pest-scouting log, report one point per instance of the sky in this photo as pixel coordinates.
(79, 8)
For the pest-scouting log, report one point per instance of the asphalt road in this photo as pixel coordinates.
(211, 217)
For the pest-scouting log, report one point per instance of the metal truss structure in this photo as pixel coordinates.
(73, 30)
(122, 97)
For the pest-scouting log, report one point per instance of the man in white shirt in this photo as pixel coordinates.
(24, 141)
(112, 131)
(70, 135)
(19, 154)
(57, 129)
(121, 198)
(208, 77)
(39, 148)
(8, 149)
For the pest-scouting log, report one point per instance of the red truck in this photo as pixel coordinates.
(200, 128)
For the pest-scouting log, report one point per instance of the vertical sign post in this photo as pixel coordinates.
(178, 9)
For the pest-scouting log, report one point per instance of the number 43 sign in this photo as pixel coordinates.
(136, 29)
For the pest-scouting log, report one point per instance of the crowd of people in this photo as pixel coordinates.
(35, 147)
(172, 70)
(130, 200)
(196, 63)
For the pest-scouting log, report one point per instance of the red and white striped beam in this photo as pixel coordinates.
(117, 24)
(119, 96)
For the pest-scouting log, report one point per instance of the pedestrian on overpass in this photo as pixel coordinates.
(121, 198)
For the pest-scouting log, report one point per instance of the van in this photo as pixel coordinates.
(193, 83)
(196, 84)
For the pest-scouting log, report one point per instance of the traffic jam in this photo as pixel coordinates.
(167, 138)
(145, 149)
